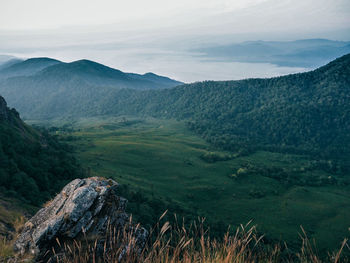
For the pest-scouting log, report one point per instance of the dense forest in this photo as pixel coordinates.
(305, 113)
(34, 165)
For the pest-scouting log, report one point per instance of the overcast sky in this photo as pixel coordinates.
(39, 14)
(116, 32)
(253, 15)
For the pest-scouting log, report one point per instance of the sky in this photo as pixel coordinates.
(158, 35)
(41, 14)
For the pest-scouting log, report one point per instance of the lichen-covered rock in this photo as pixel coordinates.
(84, 206)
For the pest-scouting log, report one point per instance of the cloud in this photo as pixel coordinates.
(40, 14)
(154, 35)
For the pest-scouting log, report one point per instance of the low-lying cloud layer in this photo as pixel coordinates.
(161, 36)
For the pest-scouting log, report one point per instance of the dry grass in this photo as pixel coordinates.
(178, 244)
(48, 203)
(19, 223)
(6, 245)
(6, 250)
(7, 253)
(175, 243)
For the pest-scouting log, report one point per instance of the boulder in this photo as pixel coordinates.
(85, 207)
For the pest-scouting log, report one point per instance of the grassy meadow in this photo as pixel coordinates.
(163, 158)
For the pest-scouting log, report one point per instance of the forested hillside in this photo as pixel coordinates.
(33, 165)
(14, 68)
(46, 88)
(307, 112)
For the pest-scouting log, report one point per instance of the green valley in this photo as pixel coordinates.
(164, 160)
(272, 151)
(175, 131)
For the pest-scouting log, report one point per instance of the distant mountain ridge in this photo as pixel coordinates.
(309, 53)
(27, 67)
(6, 58)
(91, 72)
(9, 63)
(44, 86)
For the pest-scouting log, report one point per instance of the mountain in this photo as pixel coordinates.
(96, 74)
(89, 72)
(41, 87)
(27, 67)
(33, 164)
(5, 58)
(310, 53)
(154, 78)
(9, 63)
(306, 112)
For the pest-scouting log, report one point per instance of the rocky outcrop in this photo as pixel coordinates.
(7, 114)
(85, 207)
(3, 109)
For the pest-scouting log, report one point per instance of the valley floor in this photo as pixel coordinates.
(278, 192)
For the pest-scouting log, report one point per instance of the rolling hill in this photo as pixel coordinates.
(87, 71)
(95, 74)
(27, 67)
(43, 87)
(8, 63)
(6, 58)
